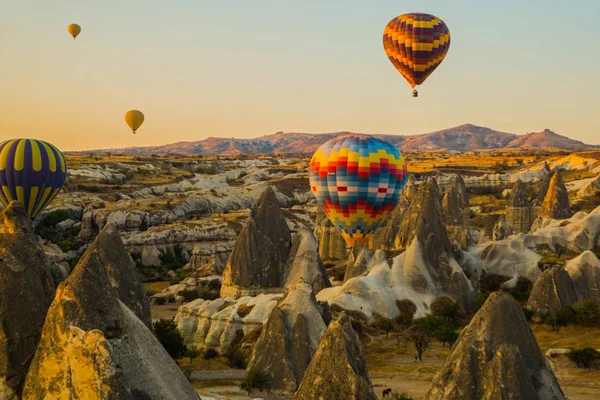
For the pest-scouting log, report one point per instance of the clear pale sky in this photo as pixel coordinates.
(200, 68)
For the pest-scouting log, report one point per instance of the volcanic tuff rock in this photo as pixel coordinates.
(338, 370)
(290, 338)
(518, 208)
(26, 291)
(259, 257)
(508, 257)
(332, 245)
(305, 263)
(553, 290)
(121, 272)
(543, 186)
(502, 229)
(496, 357)
(556, 202)
(216, 324)
(456, 213)
(584, 270)
(358, 261)
(94, 347)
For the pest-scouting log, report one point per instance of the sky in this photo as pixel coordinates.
(202, 68)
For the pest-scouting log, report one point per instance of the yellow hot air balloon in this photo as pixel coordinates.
(134, 119)
(74, 30)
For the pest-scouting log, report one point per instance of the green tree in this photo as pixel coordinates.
(168, 335)
(192, 353)
(587, 312)
(421, 340)
(447, 308)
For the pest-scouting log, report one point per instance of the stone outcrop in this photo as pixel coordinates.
(496, 357)
(556, 202)
(502, 229)
(202, 265)
(259, 257)
(290, 338)
(358, 261)
(121, 272)
(94, 347)
(553, 290)
(519, 212)
(217, 324)
(337, 371)
(456, 212)
(577, 281)
(304, 262)
(332, 245)
(26, 292)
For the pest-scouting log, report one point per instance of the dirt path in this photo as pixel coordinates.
(226, 374)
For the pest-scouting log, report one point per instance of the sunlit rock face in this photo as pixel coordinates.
(502, 229)
(94, 347)
(556, 201)
(332, 245)
(259, 257)
(338, 370)
(26, 291)
(456, 212)
(519, 211)
(290, 338)
(304, 262)
(496, 357)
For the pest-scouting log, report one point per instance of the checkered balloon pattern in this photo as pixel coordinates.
(357, 180)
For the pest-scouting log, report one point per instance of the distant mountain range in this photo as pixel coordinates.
(461, 138)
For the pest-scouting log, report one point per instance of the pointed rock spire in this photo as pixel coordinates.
(556, 202)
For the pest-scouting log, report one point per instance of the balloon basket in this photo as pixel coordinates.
(415, 93)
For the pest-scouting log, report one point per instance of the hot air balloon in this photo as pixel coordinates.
(31, 172)
(357, 180)
(74, 30)
(416, 44)
(134, 119)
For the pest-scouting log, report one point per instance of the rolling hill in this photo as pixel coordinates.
(461, 138)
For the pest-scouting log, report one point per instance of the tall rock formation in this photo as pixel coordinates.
(518, 208)
(26, 292)
(94, 347)
(290, 338)
(584, 271)
(259, 257)
(502, 229)
(332, 245)
(121, 271)
(553, 290)
(556, 202)
(337, 371)
(358, 261)
(305, 263)
(456, 212)
(496, 357)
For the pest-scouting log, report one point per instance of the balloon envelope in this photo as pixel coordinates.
(31, 172)
(357, 180)
(416, 44)
(134, 119)
(74, 30)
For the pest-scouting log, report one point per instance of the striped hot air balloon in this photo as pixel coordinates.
(31, 172)
(357, 180)
(416, 44)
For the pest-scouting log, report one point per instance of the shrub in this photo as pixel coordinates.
(172, 260)
(159, 301)
(447, 308)
(407, 311)
(208, 294)
(562, 317)
(188, 295)
(400, 396)
(258, 380)
(210, 354)
(385, 324)
(587, 312)
(192, 353)
(244, 309)
(528, 313)
(584, 357)
(168, 335)
(439, 328)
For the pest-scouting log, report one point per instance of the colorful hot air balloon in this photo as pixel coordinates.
(31, 172)
(416, 44)
(357, 180)
(134, 119)
(74, 30)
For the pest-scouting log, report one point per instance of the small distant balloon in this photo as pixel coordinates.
(32, 172)
(74, 30)
(416, 44)
(134, 119)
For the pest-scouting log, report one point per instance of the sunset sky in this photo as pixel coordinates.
(241, 68)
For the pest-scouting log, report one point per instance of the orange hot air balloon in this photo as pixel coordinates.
(134, 119)
(416, 44)
(74, 30)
